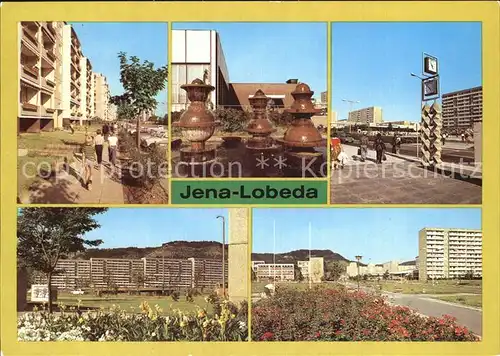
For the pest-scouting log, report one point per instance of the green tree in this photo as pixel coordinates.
(125, 112)
(142, 83)
(333, 270)
(299, 277)
(45, 235)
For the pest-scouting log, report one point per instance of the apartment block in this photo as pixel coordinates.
(393, 268)
(39, 64)
(462, 108)
(256, 263)
(73, 105)
(449, 253)
(101, 95)
(276, 271)
(370, 115)
(152, 273)
(87, 89)
(56, 81)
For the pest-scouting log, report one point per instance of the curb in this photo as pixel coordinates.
(447, 171)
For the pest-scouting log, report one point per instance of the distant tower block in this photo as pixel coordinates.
(432, 122)
(238, 259)
(316, 269)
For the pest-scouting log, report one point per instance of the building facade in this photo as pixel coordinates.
(449, 253)
(56, 82)
(462, 108)
(393, 268)
(101, 97)
(370, 115)
(197, 54)
(154, 273)
(39, 72)
(275, 271)
(313, 269)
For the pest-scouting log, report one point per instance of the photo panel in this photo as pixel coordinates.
(92, 120)
(378, 274)
(115, 277)
(247, 102)
(406, 113)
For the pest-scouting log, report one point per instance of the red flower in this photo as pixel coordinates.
(267, 336)
(342, 322)
(338, 332)
(318, 334)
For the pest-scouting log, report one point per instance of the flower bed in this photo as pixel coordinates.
(229, 324)
(336, 314)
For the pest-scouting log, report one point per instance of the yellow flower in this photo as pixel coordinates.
(182, 324)
(201, 313)
(80, 320)
(233, 316)
(145, 307)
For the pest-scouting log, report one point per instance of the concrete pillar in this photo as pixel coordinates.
(478, 136)
(238, 262)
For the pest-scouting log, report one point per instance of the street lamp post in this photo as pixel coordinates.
(351, 103)
(358, 259)
(223, 254)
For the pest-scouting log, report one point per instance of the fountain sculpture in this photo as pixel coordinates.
(259, 127)
(302, 138)
(197, 125)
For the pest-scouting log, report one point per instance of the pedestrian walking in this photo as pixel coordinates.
(363, 148)
(88, 154)
(71, 127)
(396, 144)
(99, 143)
(105, 131)
(112, 146)
(379, 147)
(115, 127)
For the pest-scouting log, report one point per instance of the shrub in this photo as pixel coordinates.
(327, 314)
(149, 324)
(232, 120)
(175, 296)
(279, 118)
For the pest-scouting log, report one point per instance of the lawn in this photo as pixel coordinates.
(127, 302)
(417, 287)
(41, 150)
(469, 300)
(258, 287)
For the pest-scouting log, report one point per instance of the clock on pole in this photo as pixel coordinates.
(430, 65)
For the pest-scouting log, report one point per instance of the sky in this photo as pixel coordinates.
(272, 52)
(151, 227)
(378, 234)
(101, 43)
(372, 62)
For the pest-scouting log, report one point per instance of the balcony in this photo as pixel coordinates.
(30, 73)
(48, 87)
(48, 36)
(28, 109)
(50, 53)
(47, 111)
(29, 39)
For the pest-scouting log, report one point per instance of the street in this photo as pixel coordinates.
(397, 181)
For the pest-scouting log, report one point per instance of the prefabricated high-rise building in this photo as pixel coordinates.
(449, 253)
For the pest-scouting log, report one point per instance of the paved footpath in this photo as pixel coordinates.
(67, 187)
(396, 181)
